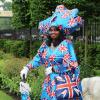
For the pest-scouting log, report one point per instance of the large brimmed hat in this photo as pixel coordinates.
(67, 20)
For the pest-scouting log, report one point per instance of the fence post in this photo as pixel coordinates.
(30, 39)
(85, 56)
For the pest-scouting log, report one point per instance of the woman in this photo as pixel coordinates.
(61, 67)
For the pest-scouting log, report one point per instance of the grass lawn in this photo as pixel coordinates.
(4, 96)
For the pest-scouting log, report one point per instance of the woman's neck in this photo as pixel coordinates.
(53, 40)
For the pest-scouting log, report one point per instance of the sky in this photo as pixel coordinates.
(1, 8)
(6, 0)
(9, 0)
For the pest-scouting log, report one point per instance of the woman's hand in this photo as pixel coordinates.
(74, 78)
(24, 72)
(48, 71)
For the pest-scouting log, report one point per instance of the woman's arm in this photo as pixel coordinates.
(37, 59)
(34, 63)
(73, 61)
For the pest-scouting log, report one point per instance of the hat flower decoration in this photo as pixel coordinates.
(65, 19)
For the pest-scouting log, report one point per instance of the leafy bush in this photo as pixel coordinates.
(2, 54)
(14, 47)
(7, 45)
(2, 41)
(35, 47)
(10, 73)
(19, 48)
(97, 57)
(10, 76)
(35, 79)
(97, 72)
(92, 59)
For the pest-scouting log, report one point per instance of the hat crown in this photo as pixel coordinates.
(60, 8)
(67, 19)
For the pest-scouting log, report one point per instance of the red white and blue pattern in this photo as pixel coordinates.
(52, 58)
(64, 17)
(65, 88)
(62, 48)
(79, 19)
(59, 85)
(44, 54)
(73, 63)
(71, 22)
(66, 58)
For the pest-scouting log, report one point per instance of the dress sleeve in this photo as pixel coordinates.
(73, 61)
(37, 59)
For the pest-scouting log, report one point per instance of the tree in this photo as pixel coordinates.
(7, 6)
(27, 13)
(21, 16)
(2, 1)
(41, 9)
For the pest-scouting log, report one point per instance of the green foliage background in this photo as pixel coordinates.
(11, 65)
(28, 13)
(10, 68)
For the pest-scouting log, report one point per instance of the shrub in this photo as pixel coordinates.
(35, 79)
(10, 76)
(2, 54)
(92, 59)
(2, 41)
(19, 48)
(10, 73)
(35, 47)
(97, 72)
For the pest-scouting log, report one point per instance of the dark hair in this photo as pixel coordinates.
(58, 40)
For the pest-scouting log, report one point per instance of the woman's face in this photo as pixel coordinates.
(54, 33)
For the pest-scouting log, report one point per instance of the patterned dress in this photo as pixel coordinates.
(62, 83)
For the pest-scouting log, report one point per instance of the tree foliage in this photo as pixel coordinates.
(29, 12)
(2, 1)
(7, 6)
(21, 16)
(40, 9)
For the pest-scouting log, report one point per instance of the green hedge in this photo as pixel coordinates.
(19, 48)
(92, 61)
